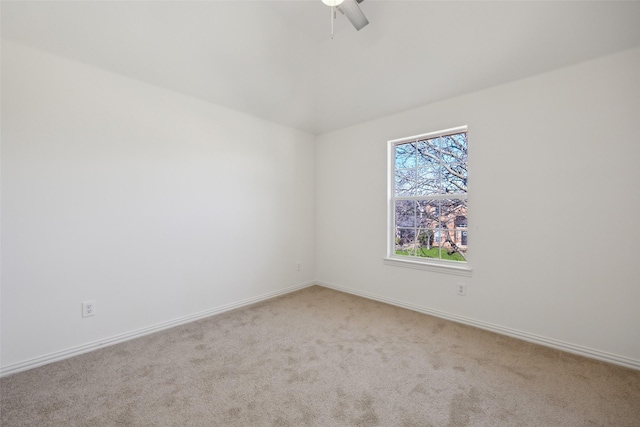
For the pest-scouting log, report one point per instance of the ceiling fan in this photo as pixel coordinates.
(350, 9)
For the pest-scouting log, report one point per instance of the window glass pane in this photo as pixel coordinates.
(405, 241)
(453, 221)
(405, 182)
(427, 213)
(454, 178)
(405, 156)
(426, 240)
(428, 152)
(429, 181)
(451, 252)
(405, 213)
(454, 148)
(450, 209)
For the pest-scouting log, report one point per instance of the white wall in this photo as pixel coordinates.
(553, 209)
(156, 205)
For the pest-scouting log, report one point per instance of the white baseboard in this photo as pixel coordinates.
(536, 339)
(525, 336)
(85, 348)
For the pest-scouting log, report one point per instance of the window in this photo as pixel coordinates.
(428, 199)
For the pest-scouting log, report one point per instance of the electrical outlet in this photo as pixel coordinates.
(462, 289)
(88, 308)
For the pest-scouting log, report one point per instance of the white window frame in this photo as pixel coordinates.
(430, 264)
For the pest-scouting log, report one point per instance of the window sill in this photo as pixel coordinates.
(438, 267)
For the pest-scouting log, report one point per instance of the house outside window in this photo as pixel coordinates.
(428, 198)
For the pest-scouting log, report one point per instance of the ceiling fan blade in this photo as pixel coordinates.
(352, 11)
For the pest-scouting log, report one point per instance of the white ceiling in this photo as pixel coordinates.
(276, 60)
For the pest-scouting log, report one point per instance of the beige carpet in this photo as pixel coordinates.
(318, 357)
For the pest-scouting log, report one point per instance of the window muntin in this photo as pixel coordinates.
(429, 197)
